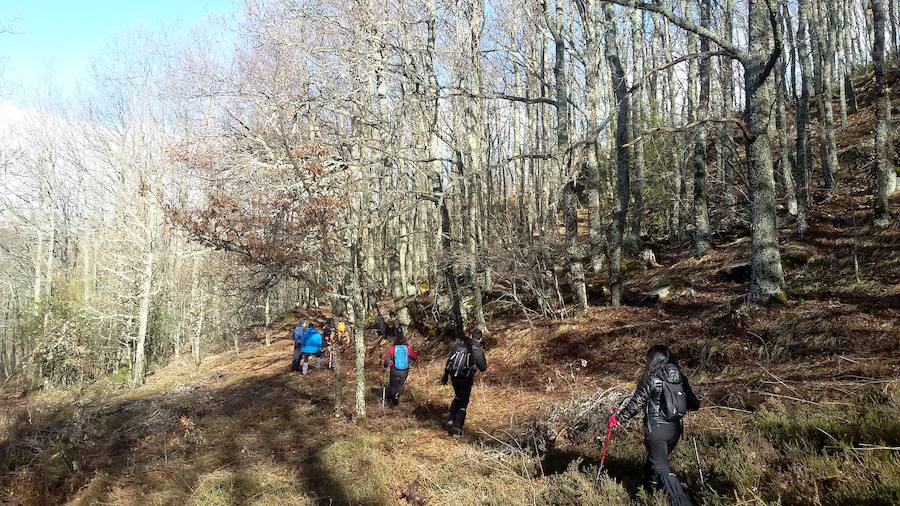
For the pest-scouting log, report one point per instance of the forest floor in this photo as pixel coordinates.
(800, 400)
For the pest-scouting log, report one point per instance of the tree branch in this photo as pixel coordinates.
(689, 126)
(685, 24)
(776, 50)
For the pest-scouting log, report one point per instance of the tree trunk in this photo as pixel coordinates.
(767, 280)
(885, 177)
(268, 319)
(357, 317)
(837, 24)
(592, 175)
(617, 230)
(725, 141)
(37, 260)
(140, 361)
(892, 10)
(803, 164)
(338, 377)
(570, 200)
(823, 51)
(701, 204)
(782, 127)
(199, 310)
(637, 175)
(476, 137)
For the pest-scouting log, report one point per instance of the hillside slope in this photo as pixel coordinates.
(800, 400)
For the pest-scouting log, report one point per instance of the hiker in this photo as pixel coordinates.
(310, 346)
(341, 335)
(397, 358)
(465, 359)
(299, 330)
(665, 396)
(380, 324)
(327, 332)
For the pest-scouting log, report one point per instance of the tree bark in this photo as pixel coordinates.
(701, 204)
(357, 317)
(617, 230)
(837, 25)
(892, 10)
(570, 200)
(885, 177)
(767, 280)
(823, 51)
(725, 141)
(476, 137)
(592, 172)
(637, 175)
(140, 361)
(268, 319)
(803, 164)
(198, 310)
(37, 260)
(781, 124)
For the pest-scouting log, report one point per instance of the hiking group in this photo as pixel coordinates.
(309, 342)
(465, 359)
(663, 393)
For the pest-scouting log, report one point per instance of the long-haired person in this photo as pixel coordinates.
(665, 396)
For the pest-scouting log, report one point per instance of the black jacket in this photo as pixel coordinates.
(477, 355)
(647, 396)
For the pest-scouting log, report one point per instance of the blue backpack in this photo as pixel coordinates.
(401, 357)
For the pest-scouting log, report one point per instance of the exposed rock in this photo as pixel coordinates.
(662, 294)
(668, 293)
(647, 259)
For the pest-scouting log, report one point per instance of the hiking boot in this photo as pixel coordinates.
(454, 431)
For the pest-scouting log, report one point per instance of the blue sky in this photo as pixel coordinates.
(63, 37)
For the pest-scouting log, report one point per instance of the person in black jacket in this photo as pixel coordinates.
(661, 430)
(465, 359)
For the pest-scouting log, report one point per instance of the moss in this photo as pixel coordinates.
(633, 266)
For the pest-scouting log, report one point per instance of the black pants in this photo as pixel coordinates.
(462, 390)
(295, 361)
(301, 358)
(660, 440)
(395, 387)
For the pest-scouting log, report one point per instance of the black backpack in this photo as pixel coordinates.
(673, 404)
(460, 362)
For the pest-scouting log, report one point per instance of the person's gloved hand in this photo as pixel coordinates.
(613, 422)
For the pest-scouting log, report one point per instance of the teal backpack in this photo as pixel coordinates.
(401, 357)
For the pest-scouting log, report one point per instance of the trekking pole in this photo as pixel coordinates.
(383, 389)
(605, 447)
(603, 455)
(699, 467)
